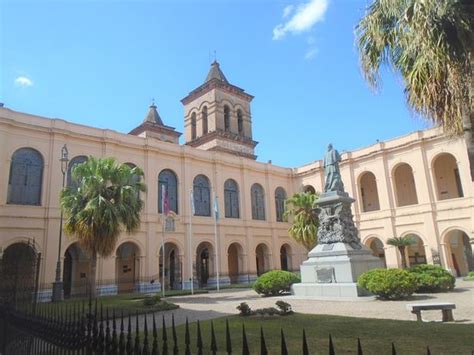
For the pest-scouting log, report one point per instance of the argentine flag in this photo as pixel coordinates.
(216, 208)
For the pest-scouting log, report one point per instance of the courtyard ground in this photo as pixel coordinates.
(218, 304)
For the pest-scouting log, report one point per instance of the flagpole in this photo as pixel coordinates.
(163, 239)
(216, 216)
(190, 242)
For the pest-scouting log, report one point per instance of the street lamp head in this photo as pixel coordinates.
(64, 158)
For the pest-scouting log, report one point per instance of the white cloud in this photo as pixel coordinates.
(23, 81)
(287, 10)
(304, 18)
(310, 53)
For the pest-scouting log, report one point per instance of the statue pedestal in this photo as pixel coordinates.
(334, 265)
(332, 271)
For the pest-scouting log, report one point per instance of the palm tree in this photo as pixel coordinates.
(304, 228)
(402, 243)
(104, 202)
(431, 44)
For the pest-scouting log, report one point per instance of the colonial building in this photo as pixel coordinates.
(415, 185)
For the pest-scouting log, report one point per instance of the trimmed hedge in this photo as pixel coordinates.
(432, 278)
(388, 283)
(275, 282)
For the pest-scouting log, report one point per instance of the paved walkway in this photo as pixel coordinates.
(214, 305)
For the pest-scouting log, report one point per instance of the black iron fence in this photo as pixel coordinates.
(81, 329)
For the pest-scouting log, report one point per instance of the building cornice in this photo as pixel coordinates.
(216, 84)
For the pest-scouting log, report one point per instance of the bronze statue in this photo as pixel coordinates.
(332, 174)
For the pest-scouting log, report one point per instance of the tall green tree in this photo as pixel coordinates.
(402, 243)
(104, 203)
(431, 44)
(301, 209)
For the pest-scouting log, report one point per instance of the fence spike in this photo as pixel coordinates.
(284, 349)
(187, 339)
(137, 336)
(129, 345)
(121, 344)
(428, 351)
(359, 347)
(331, 346)
(245, 345)
(213, 339)
(100, 340)
(394, 351)
(263, 345)
(155, 349)
(108, 338)
(228, 341)
(114, 334)
(146, 349)
(175, 338)
(305, 344)
(199, 339)
(164, 337)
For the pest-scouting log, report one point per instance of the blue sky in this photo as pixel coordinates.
(99, 63)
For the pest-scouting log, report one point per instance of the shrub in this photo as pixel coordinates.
(151, 300)
(244, 309)
(470, 274)
(388, 283)
(275, 282)
(432, 278)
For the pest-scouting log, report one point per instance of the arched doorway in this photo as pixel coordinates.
(234, 255)
(377, 248)
(75, 271)
(416, 252)
(285, 257)
(447, 179)
(405, 189)
(127, 266)
(368, 192)
(459, 252)
(172, 267)
(18, 274)
(309, 188)
(261, 255)
(204, 263)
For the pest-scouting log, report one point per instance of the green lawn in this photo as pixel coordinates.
(376, 335)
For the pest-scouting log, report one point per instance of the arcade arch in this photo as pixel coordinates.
(235, 262)
(76, 270)
(262, 256)
(405, 189)
(204, 263)
(377, 247)
(127, 267)
(459, 252)
(172, 265)
(285, 257)
(446, 176)
(368, 191)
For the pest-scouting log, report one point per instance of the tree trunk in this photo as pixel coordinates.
(402, 255)
(92, 277)
(468, 121)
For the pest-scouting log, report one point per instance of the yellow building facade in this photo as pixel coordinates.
(417, 185)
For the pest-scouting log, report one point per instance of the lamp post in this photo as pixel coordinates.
(58, 293)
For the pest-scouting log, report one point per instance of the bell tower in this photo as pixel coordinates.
(217, 116)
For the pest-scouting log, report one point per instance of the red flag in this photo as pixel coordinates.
(165, 203)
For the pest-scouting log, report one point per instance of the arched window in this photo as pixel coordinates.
(26, 177)
(240, 122)
(369, 193)
(168, 179)
(226, 118)
(202, 196)
(70, 168)
(193, 126)
(446, 174)
(280, 197)
(204, 120)
(405, 185)
(231, 199)
(258, 202)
